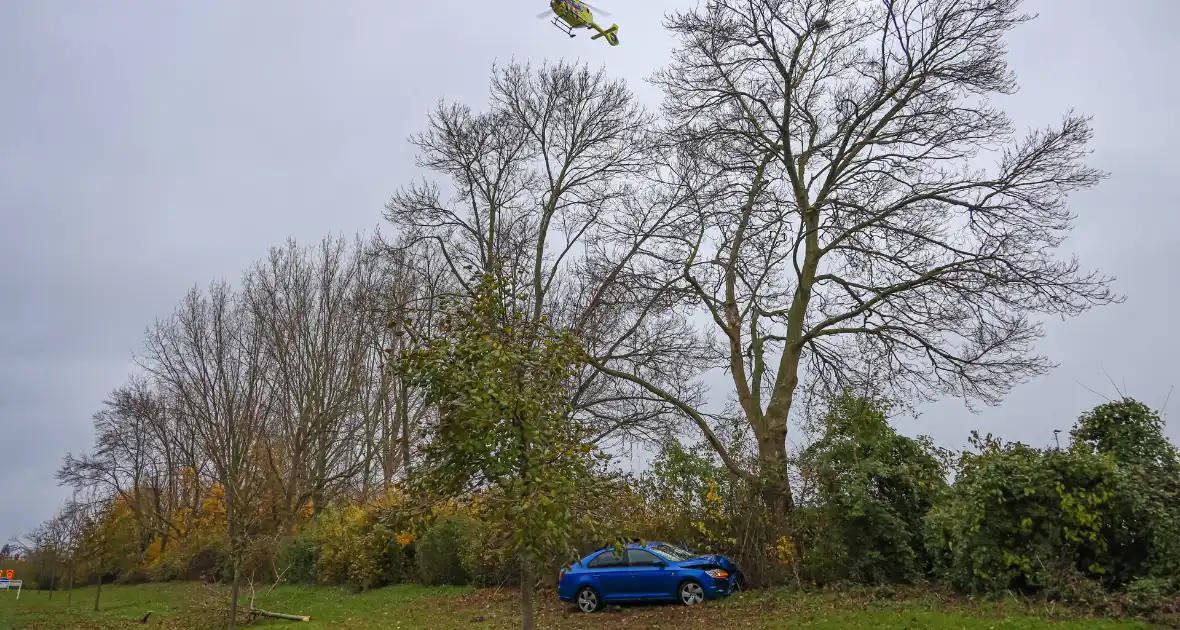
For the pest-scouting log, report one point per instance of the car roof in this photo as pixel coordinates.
(630, 545)
(633, 544)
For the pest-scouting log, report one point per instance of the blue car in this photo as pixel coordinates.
(647, 572)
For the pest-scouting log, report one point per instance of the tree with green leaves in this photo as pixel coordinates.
(500, 382)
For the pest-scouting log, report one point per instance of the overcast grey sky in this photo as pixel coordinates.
(149, 145)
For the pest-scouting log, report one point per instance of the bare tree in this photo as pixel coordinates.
(173, 450)
(410, 278)
(74, 520)
(135, 458)
(545, 184)
(119, 463)
(310, 306)
(91, 545)
(48, 545)
(212, 359)
(845, 227)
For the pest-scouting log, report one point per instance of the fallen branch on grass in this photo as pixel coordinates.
(255, 612)
(276, 615)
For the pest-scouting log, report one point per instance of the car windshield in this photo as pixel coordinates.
(675, 554)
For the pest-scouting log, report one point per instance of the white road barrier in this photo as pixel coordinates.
(8, 584)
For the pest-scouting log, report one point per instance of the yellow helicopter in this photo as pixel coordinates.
(577, 14)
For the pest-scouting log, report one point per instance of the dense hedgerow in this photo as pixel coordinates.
(1099, 518)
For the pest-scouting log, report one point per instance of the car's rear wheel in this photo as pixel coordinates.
(587, 600)
(691, 593)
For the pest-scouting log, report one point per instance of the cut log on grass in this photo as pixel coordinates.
(267, 613)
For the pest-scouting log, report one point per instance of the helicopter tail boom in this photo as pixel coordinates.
(611, 34)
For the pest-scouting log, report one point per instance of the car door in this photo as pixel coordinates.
(649, 576)
(609, 574)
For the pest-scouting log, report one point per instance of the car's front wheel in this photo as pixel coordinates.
(587, 600)
(692, 593)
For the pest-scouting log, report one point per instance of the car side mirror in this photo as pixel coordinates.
(658, 563)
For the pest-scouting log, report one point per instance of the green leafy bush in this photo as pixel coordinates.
(1021, 518)
(1102, 514)
(872, 488)
(1145, 538)
(441, 549)
(170, 566)
(485, 555)
(296, 558)
(357, 549)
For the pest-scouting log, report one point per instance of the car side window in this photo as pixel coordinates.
(641, 558)
(605, 559)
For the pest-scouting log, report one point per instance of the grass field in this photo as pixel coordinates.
(187, 606)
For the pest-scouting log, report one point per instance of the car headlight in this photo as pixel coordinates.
(719, 574)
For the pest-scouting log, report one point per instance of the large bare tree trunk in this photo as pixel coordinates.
(774, 466)
(98, 591)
